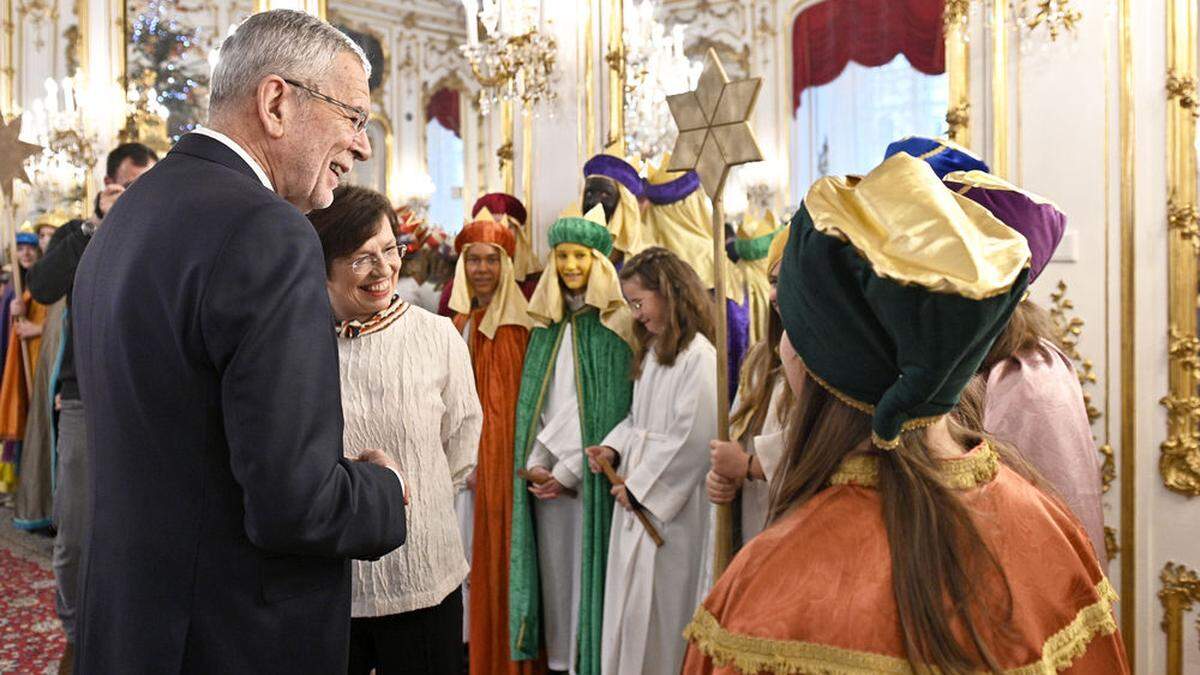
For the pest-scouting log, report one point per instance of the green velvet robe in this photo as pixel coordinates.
(605, 392)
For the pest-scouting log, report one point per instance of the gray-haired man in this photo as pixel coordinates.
(223, 511)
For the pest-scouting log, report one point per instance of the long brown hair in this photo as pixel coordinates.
(760, 371)
(689, 309)
(943, 574)
(1029, 325)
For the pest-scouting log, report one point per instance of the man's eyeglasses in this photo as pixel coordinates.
(356, 114)
(362, 265)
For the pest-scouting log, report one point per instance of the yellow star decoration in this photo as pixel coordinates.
(13, 153)
(714, 131)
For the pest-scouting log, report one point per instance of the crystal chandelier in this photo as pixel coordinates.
(1057, 17)
(57, 176)
(655, 66)
(515, 60)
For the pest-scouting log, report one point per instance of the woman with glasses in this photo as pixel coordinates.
(407, 389)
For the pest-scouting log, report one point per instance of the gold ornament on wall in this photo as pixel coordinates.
(1180, 591)
(1070, 327)
(1185, 219)
(1111, 547)
(1183, 88)
(958, 118)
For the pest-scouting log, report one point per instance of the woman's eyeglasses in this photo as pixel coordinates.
(363, 264)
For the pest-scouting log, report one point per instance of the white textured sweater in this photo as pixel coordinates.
(409, 390)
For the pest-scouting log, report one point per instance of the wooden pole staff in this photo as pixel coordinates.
(10, 232)
(638, 509)
(715, 135)
(13, 154)
(723, 536)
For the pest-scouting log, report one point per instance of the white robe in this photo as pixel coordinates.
(649, 592)
(558, 447)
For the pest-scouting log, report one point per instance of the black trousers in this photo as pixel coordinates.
(425, 641)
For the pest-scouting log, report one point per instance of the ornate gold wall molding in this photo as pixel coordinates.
(1179, 462)
(1180, 591)
(1182, 88)
(1070, 328)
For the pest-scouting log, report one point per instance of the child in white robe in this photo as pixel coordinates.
(661, 452)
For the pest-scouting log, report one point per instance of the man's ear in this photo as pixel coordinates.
(273, 105)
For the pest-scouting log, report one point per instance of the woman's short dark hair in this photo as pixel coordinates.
(350, 221)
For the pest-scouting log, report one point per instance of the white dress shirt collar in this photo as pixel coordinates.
(241, 152)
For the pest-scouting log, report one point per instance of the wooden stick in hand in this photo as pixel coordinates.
(638, 509)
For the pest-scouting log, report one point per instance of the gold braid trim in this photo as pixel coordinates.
(793, 657)
(838, 394)
(914, 423)
(971, 471)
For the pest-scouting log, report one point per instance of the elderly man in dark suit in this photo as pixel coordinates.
(223, 513)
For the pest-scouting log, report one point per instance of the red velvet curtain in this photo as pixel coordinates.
(829, 35)
(443, 107)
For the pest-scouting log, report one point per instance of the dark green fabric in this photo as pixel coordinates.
(605, 393)
(581, 231)
(755, 248)
(904, 349)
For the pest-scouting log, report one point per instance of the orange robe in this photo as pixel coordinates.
(497, 363)
(14, 390)
(813, 592)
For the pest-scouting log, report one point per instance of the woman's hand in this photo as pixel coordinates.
(16, 307)
(598, 452)
(622, 496)
(471, 479)
(729, 460)
(720, 490)
(27, 330)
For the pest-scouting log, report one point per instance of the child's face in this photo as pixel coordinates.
(648, 306)
(574, 264)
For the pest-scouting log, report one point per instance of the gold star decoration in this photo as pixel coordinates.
(714, 131)
(13, 153)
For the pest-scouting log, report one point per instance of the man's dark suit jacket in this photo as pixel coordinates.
(223, 513)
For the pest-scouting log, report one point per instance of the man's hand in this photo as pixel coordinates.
(597, 452)
(729, 461)
(381, 458)
(544, 485)
(472, 478)
(622, 496)
(109, 197)
(27, 330)
(720, 490)
(17, 307)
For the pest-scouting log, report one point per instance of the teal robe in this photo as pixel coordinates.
(605, 392)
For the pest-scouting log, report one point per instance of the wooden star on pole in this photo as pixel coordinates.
(13, 153)
(714, 127)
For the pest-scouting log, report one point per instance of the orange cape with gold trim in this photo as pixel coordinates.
(497, 363)
(813, 592)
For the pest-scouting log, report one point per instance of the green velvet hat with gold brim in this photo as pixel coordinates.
(892, 289)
